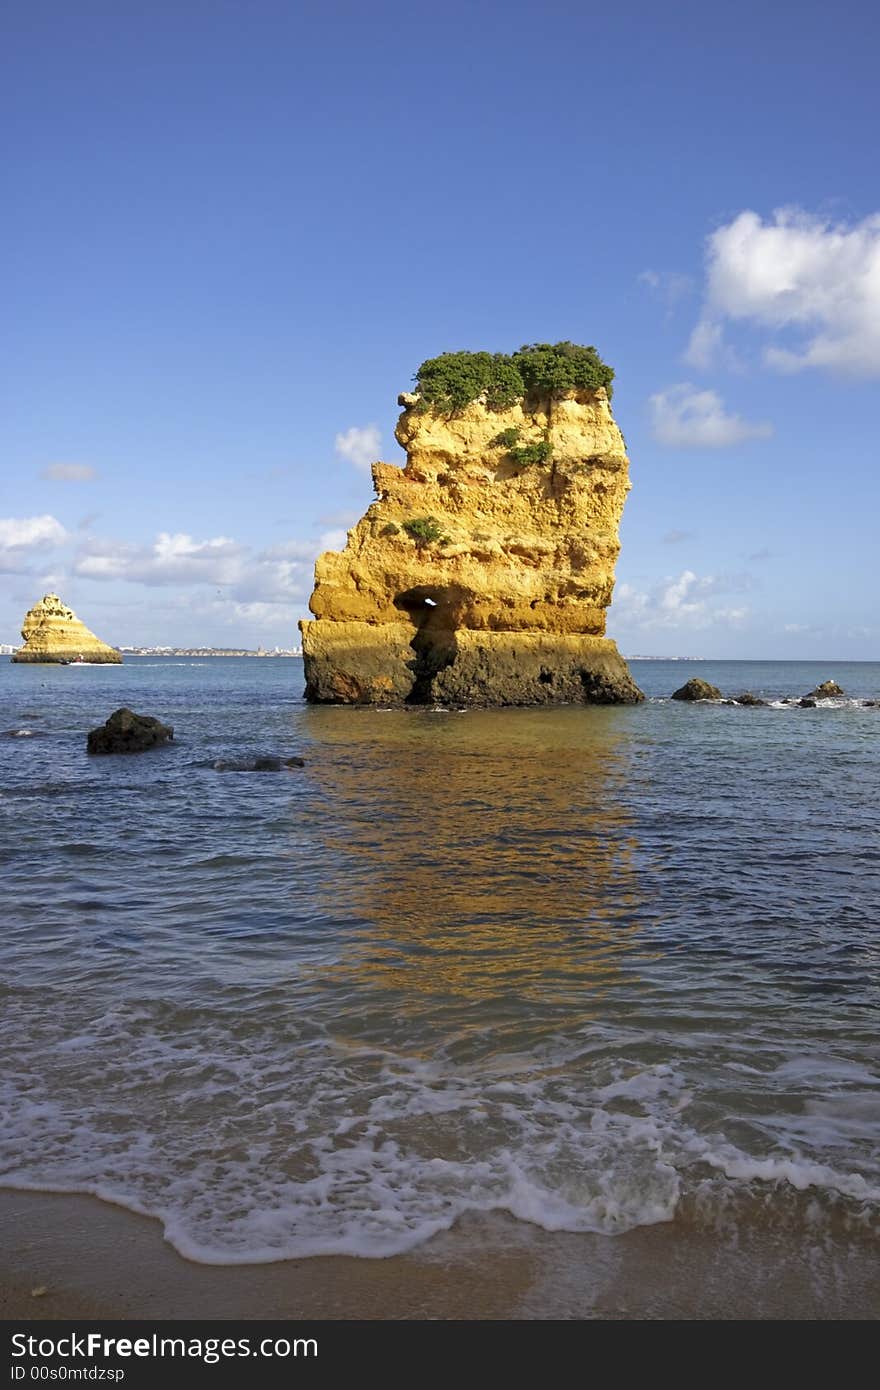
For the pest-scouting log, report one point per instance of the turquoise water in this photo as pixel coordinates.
(592, 968)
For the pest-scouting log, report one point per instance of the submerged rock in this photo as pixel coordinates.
(696, 689)
(826, 691)
(482, 572)
(807, 703)
(747, 698)
(53, 633)
(127, 732)
(266, 763)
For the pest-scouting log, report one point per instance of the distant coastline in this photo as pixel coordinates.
(7, 648)
(208, 651)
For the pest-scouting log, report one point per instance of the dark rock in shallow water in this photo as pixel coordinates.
(127, 732)
(264, 763)
(747, 698)
(695, 689)
(826, 691)
(807, 703)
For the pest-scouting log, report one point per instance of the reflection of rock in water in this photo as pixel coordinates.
(269, 762)
(488, 856)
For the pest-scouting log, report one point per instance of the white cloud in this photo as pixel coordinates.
(667, 285)
(28, 531)
(269, 581)
(281, 577)
(217, 590)
(69, 472)
(172, 559)
(295, 550)
(307, 550)
(676, 537)
(52, 582)
(360, 445)
(685, 417)
(801, 275)
(19, 536)
(332, 540)
(685, 602)
(706, 345)
(223, 621)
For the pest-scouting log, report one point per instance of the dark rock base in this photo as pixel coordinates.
(397, 664)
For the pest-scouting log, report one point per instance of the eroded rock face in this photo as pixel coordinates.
(474, 578)
(127, 732)
(53, 633)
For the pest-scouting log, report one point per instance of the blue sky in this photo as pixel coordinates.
(232, 231)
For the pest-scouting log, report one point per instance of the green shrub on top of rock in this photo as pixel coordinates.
(454, 379)
(549, 368)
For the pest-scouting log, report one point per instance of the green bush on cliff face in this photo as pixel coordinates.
(424, 529)
(454, 379)
(524, 454)
(507, 439)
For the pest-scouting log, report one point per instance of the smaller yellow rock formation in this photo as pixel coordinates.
(53, 633)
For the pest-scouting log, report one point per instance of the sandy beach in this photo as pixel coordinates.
(95, 1260)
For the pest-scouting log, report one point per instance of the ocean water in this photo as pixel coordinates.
(594, 969)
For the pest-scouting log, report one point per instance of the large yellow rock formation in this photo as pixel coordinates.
(52, 632)
(477, 578)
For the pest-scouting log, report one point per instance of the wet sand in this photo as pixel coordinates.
(96, 1260)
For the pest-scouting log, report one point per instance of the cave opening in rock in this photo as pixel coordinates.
(433, 610)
